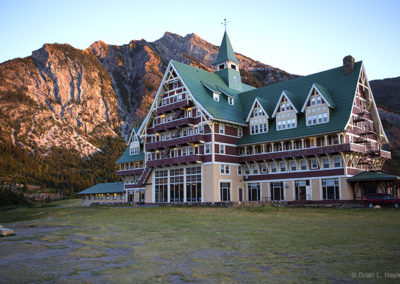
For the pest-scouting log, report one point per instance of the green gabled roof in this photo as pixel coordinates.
(326, 94)
(341, 87)
(294, 99)
(113, 187)
(193, 78)
(338, 88)
(127, 157)
(372, 176)
(225, 51)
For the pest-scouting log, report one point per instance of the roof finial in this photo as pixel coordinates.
(225, 23)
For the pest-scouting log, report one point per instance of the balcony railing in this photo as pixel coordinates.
(287, 154)
(169, 107)
(187, 121)
(130, 172)
(176, 161)
(198, 138)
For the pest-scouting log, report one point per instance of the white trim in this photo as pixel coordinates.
(252, 107)
(309, 94)
(279, 101)
(130, 136)
(374, 104)
(209, 88)
(305, 178)
(189, 93)
(218, 163)
(155, 97)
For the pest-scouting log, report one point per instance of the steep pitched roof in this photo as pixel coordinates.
(337, 87)
(225, 51)
(335, 83)
(194, 80)
(113, 187)
(127, 157)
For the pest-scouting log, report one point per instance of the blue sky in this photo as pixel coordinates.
(301, 37)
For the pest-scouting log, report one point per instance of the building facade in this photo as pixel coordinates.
(210, 138)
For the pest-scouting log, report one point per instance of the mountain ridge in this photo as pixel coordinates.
(68, 98)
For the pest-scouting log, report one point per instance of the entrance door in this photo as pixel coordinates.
(225, 191)
(130, 196)
(301, 189)
(141, 197)
(240, 194)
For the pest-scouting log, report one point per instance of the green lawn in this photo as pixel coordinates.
(67, 243)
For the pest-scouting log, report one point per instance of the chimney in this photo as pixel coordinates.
(348, 64)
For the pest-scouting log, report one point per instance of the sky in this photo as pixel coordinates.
(300, 37)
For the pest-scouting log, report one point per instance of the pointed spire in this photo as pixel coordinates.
(225, 51)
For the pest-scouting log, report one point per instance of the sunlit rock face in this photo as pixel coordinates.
(66, 97)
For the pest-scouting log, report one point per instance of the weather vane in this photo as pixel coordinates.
(225, 23)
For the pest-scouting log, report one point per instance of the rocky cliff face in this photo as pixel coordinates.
(58, 97)
(137, 68)
(66, 97)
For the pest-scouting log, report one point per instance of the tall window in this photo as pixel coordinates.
(247, 170)
(338, 162)
(239, 170)
(222, 149)
(254, 192)
(225, 191)
(325, 162)
(161, 186)
(330, 188)
(193, 184)
(176, 185)
(255, 169)
(221, 129)
(277, 191)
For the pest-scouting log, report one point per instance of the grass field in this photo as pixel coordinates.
(66, 243)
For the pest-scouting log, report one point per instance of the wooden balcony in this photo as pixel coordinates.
(176, 161)
(187, 121)
(298, 153)
(295, 174)
(198, 138)
(137, 171)
(385, 154)
(173, 106)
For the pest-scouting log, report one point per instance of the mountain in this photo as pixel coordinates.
(387, 93)
(58, 97)
(387, 97)
(61, 105)
(136, 69)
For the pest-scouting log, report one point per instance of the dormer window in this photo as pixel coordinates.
(316, 107)
(134, 146)
(233, 66)
(285, 112)
(231, 100)
(257, 118)
(216, 97)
